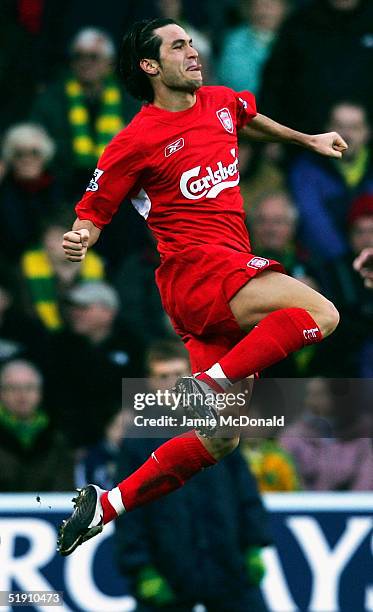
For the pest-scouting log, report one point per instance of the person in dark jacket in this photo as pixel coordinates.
(363, 264)
(201, 544)
(109, 351)
(323, 53)
(84, 109)
(354, 300)
(29, 191)
(33, 455)
(21, 335)
(323, 191)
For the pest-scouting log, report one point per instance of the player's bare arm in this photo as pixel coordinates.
(83, 235)
(364, 265)
(264, 129)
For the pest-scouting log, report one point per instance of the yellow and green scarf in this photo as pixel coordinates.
(26, 431)
(272, 466)
(354, 171)
(41, 283)
(87, 147)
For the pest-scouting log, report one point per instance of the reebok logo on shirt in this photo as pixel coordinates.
(173, 147)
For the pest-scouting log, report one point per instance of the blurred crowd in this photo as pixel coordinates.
(69, 333)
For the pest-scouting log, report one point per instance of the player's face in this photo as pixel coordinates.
(179, 68)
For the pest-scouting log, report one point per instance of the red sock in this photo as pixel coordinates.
(280, 333)
(168, 468)
(207, 378)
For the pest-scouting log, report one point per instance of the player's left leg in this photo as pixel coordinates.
(283, 315)
(271, 291)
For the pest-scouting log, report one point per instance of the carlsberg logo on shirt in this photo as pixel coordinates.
(212, 182)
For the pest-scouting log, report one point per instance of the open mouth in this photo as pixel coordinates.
(196, 68)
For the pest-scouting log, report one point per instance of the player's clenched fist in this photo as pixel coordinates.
(330, 144)
(75, 244)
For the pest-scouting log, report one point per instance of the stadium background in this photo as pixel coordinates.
(310, 65)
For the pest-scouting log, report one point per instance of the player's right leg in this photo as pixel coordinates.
(86, 520)
(167, 469)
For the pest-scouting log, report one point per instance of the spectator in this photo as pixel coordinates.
(33, 456)
(108, 352)
(29, 192)
(273, 229)
(247, 46)
(48, 275)
(221, 550)
(364, 265)
(360, 219)
(329, 442)
(84, 110)
(323, 190)
(273, 223)
(323, 54)
(165, 362)
(20, 335)
(261, 170)
(273, 468)
(354, 300)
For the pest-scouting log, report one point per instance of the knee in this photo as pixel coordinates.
(328, 318)
(220, 447)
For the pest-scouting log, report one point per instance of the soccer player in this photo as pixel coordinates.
(237, 313)
(364, 265)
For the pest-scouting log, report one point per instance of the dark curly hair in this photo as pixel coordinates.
(140, 42)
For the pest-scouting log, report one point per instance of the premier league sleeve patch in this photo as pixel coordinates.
(93, 183)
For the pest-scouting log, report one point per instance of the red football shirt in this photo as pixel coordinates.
(180, 169)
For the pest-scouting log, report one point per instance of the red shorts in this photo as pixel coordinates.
(196, 286)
